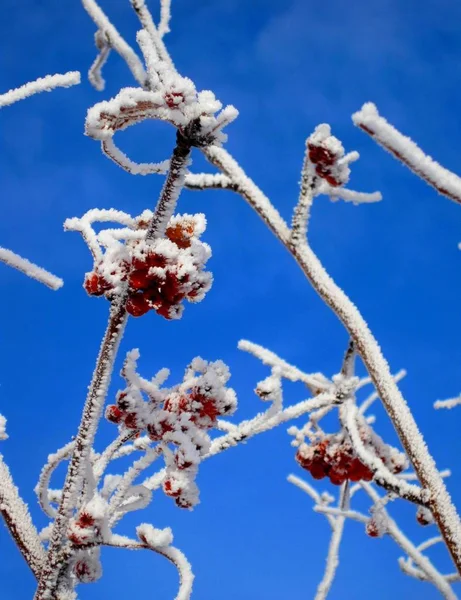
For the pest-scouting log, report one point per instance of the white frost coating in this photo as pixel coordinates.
(404, 149)
(41, 489)
(381, 472)
(350, 195)
(314, 381)
(153, 537)
(375, 396)
(115, 40)
(126, 481)
(450, 403)
(165, 16)
(18, 520)
(43, 84)
(3, 434)
(204, 181)
(114, 153)
(367, 348)
(30, 269)
(95, 71)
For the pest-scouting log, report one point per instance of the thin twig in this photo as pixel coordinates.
(30, 269)
(406, 151)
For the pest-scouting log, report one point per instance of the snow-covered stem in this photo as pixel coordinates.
(171, 189)
(109, 453)
(251, 427)
(115, 40)
(19, 523)
(288, 371)
(302, 210)
(30, 269)
(175, 556)
(145, 18)
(165, 16)
(134, 471)
(382, 475)
(450, 403)
(122, 160)
(440, 503)
(406, 151)
(333, 555)
(83, 445)
(95, 71)
(208, 181)
(43, 84)
(41, 489)
(375, 396)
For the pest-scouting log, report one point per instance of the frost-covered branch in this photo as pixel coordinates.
(43, 84)
(30, 269)
(18, 521)
(450, 403)
(114, 41)
(159, 541)
(368, 349)
(83, 446)
(406, 151)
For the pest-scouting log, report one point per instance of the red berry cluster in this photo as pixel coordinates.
(180, 417)
(325, 152)
(158, 275)
(324, 160)
(339, 464)
(335, 457)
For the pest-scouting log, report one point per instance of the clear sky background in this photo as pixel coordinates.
(287, 66)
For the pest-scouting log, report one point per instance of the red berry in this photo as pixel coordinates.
(95, 284)
(156, 260)
(337, 476)
(85, 520)
(180, 234)
(319, 154)
(303, 462)
(113, 414)
(372, 528)
(173, 99)
(169, 490)
(319, 469)
(139, 279)
(157, 431)
(131, 421)
(423, 516)
(137, 305)
(82, 570)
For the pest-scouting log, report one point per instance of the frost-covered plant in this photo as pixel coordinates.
(155, 262)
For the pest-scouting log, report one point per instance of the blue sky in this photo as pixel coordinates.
(287, 67)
